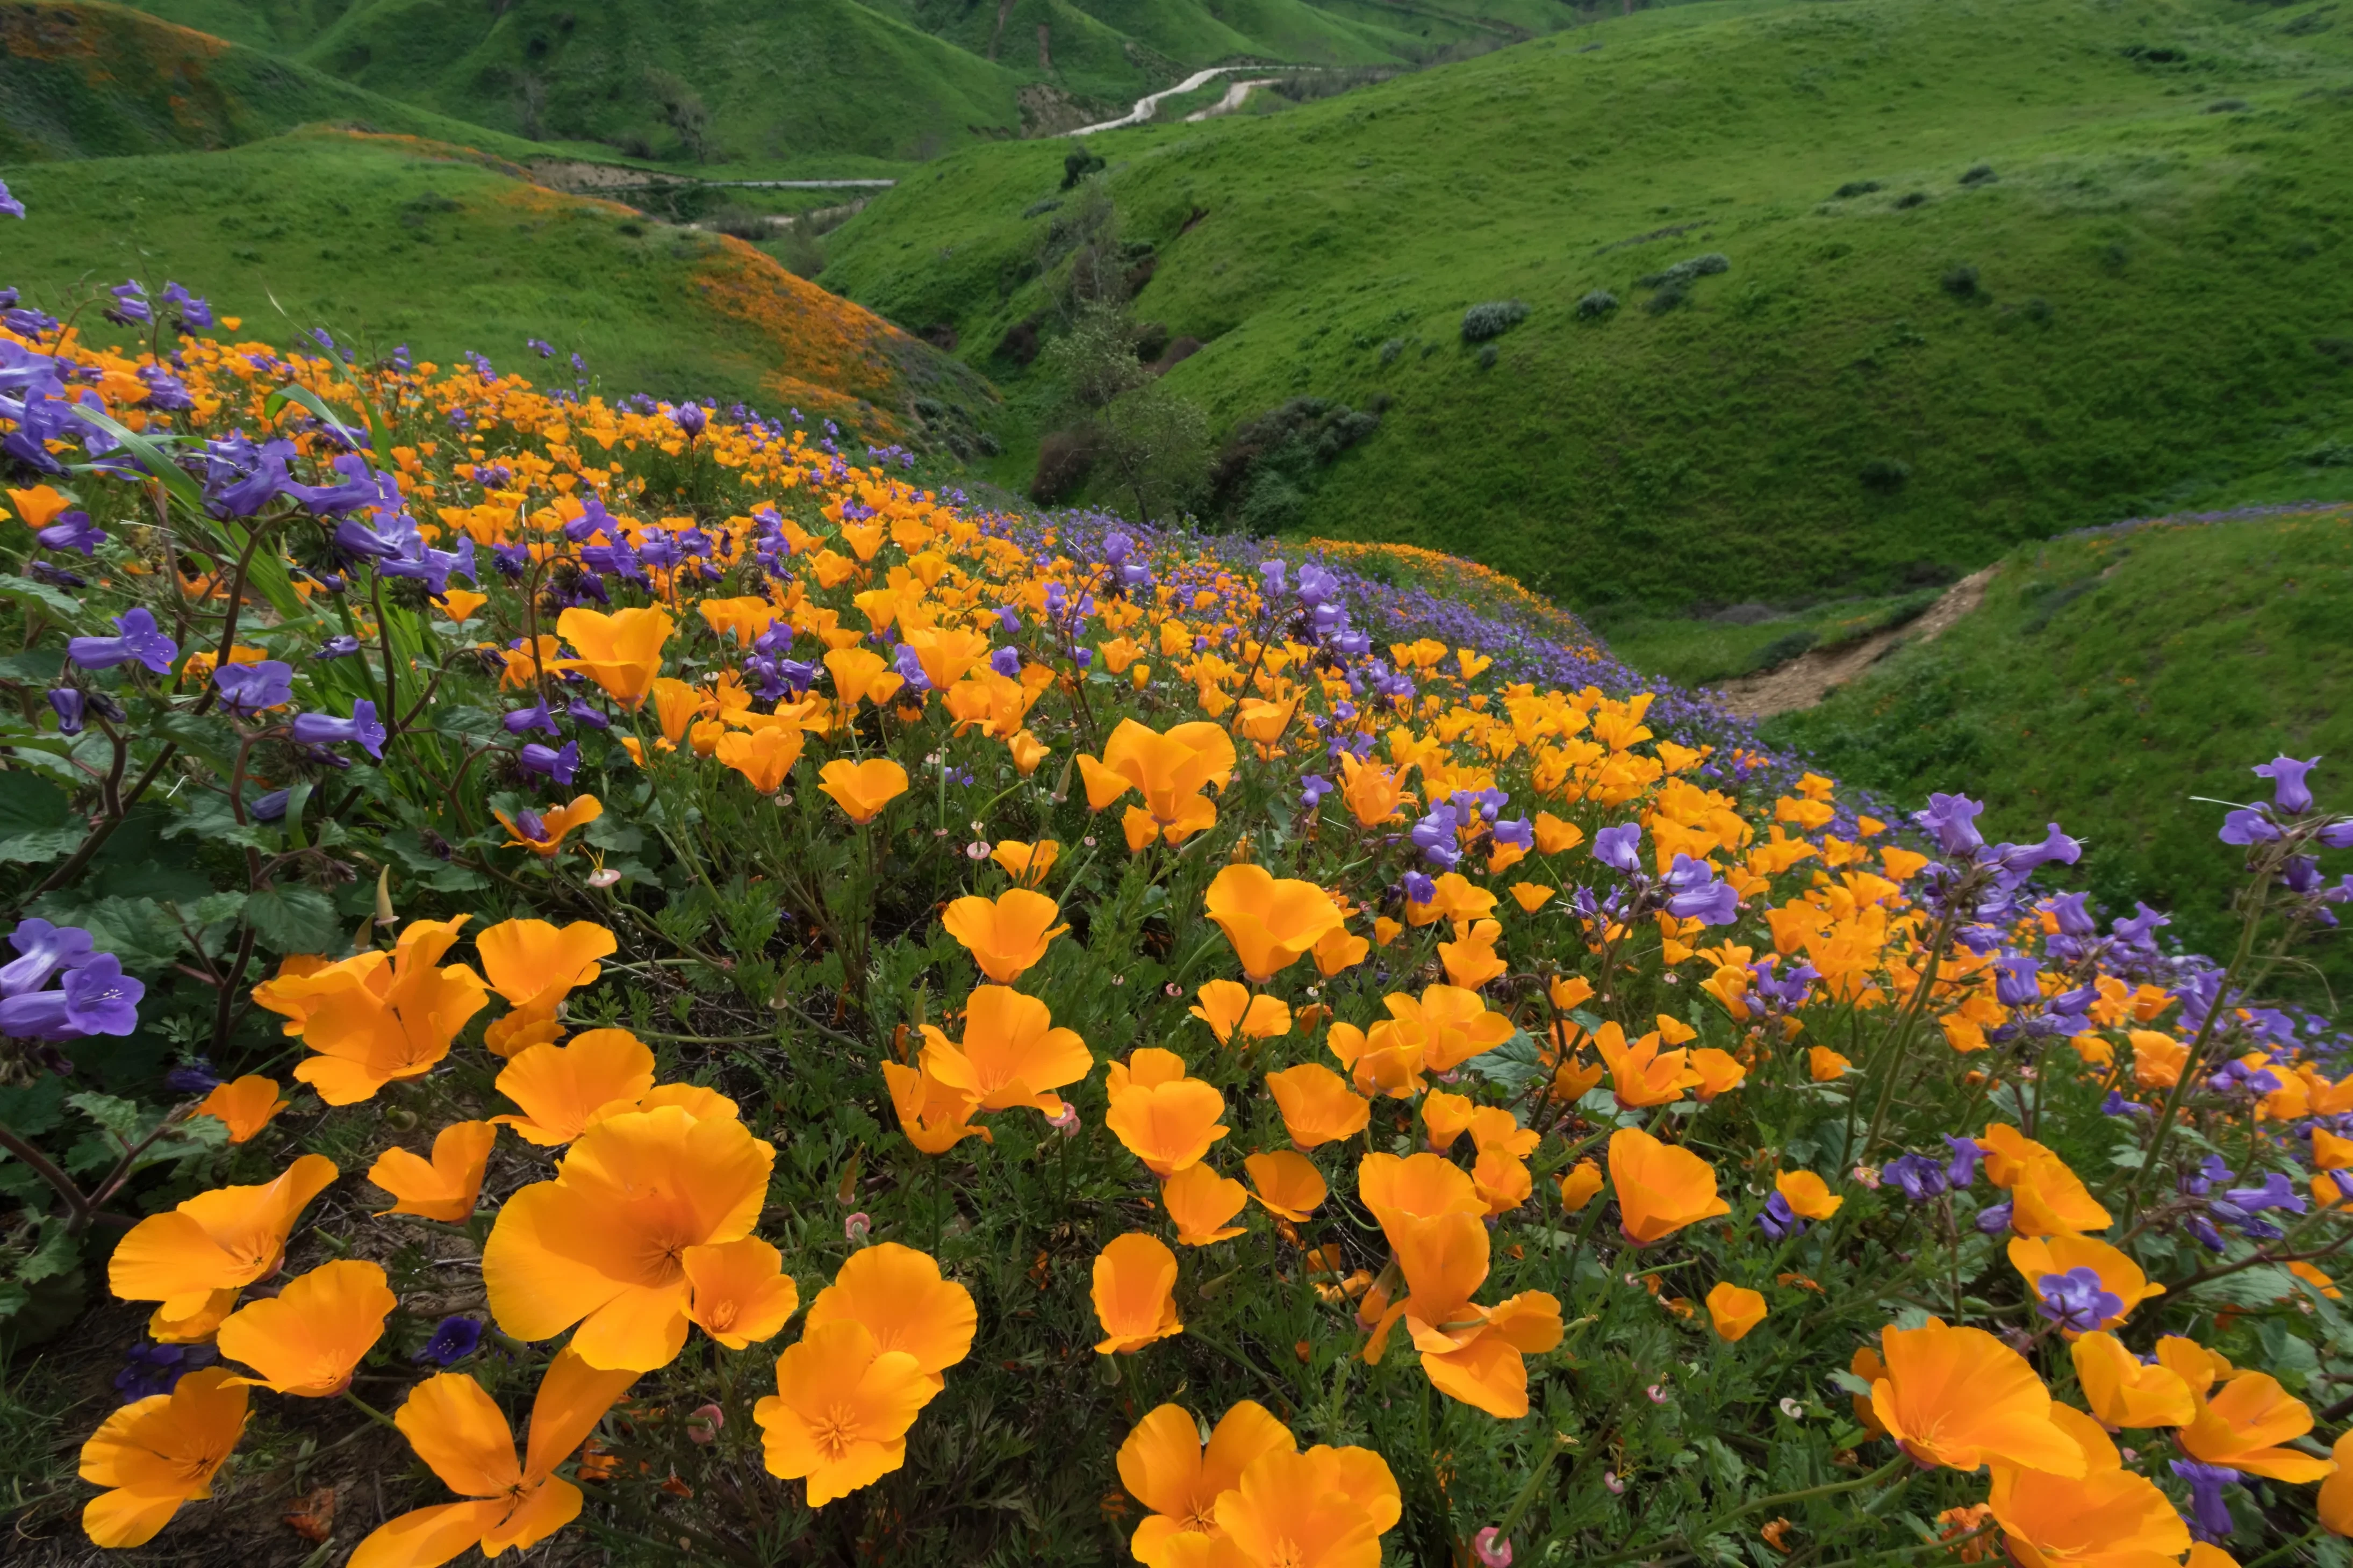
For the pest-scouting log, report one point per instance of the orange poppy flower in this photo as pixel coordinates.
(934, 1116)
(1807, 1195)
(1385, 1060)
(2122, 1391)
(1326, 1508)
(535, 965)
(2119, 1275)
(1374, 793)
(737, 1292)
(2335, 1503)
(1719, 1071)
(1577, 1187)
(839, 1418)
(677, 705)
(1005, 935)
(2241, 1424)
(1339, 949)
(1824, 1065)
(1660, 1189)
(1166, 1465)
(1502, 1179)
(1445, 1117)
(1317, 1106)
(1530, 895)
(1641, 1075)
(244, 1106)
(898, 1294)
(947, 654)
(1169, 1124)
(2047, 1198)
(1135, 1293)
(1450, 1024)
(2110, 1518)
(1735, 1309)
(1470, 961)
(219, 1241)
(1170, 771)
(377, 1017)
(1011, 1054)
(765, 757)
(620, 652)
(1201, 1201)
(560, 1087)
(1287, 1185)
(309, 1337)
(39, 507)
(463, 1437)
(156, 1453)
(1227, 1004)
(446, 1186)
(1960, 1397)
(1270, 923)
(859, 673)
(862, 789)
(546, 841)
(603, 1244)
(1027, 864)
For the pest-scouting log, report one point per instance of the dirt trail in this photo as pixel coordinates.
(1236, 95)
(1808, 679)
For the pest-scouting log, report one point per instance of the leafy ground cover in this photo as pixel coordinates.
(2112, 676)
(2083, 266)
(860, 1026)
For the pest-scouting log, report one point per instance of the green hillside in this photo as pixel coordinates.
(386, 240)
(2107, 679)
(2092, 260)
(94, 80)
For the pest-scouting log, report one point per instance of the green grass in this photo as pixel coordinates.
(383, 241)
(2108, 680)
(1698, 650)
(87, 81)
(2163, 312)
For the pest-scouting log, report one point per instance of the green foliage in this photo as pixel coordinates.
(1721, 442)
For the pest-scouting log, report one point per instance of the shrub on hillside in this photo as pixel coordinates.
(1782, 650)
(1910, 199)
(1270, 464)
(1492, 320)
(1885, 475)
(1960, 282)
(1596, 304)
(1854, 188)
(1979, 175)
(1065, 457)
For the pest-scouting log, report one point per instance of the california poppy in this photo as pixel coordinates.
(1201, 1201)
(2109, 1518)
(1470, 961)
(738, 1292)
(1450, 1024)
(1135, 1293)
(1227, 1005)
(1735, 1309)
(899, 1295)
(763, 757)
(1959, 1397)
(1286, 1185)
(559, 1087)
(621, 652)
(839, 1418)
(1660, 1189)
(1166, 1467)
(1807, 1195)
(1318, 1105)
(1339, 949)
(603, 1244)
(862, 789)
(935, 1116)
(463, 1437)
(1384, 1060)
(1170, 770)
(1011, 1054)
(1640, 1075)
(2125, 1392)
(309, 1337)
(244, 1106)
(2335, 1503)
(1577, 1187)
(542, 832)
(1168, 1125)
(377, 1017)
(859, 674)
(2120, 1277)
(1271, 922)
(1445, 1117)
(1027, 864)
(534, 964)
(1007, 935)
(1290, 1508)
(156, 1453)
(446, 1186)
(218, 1241)
(2242, 1425)
(2047, 1198)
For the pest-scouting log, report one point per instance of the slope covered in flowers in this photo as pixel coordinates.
(610, 974)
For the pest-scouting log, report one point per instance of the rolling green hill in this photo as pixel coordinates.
(95, 81)
(2106, 680)
(384, 240)
(1991, 268)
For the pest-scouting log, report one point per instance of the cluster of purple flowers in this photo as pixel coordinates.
(92, 996)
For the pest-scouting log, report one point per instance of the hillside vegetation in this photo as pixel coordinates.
(385, 240)
(2110, 680)
(92, 80)
(2089, 262)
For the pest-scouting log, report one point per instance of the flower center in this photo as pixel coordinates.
(835, 1432)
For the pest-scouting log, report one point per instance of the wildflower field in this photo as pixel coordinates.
(628, 975)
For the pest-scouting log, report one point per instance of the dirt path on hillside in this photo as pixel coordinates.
(1236, 95)
(1805, 680)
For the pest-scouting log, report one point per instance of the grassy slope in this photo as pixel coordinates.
(2189, 261)
(88, 80)
(2106, 680)
(383, 241)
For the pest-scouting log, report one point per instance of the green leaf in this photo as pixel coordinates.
(139, 931)
(120, 1118)
(24, 591)
(29, 803)
(1514, 1064)
(457, 719)
(379, 438)
(41, 847)
(151, 457)
(294, 919)
(52, 1255)
(35, 666)
(208, 817)
(29, 1109)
